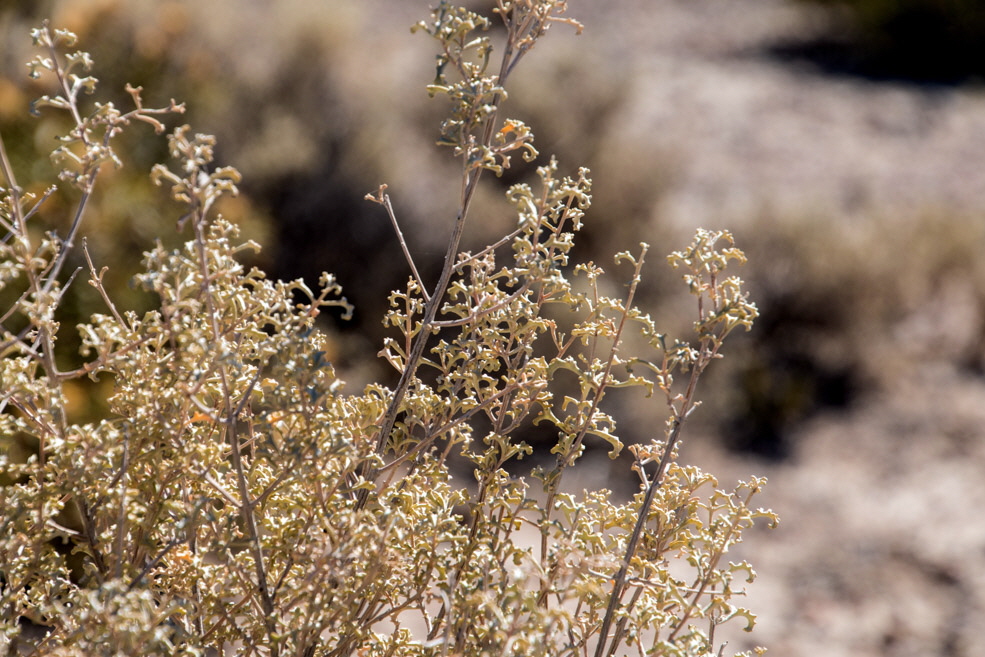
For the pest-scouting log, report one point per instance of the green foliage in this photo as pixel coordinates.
(236, 498)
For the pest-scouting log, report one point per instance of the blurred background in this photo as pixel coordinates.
(842, 141)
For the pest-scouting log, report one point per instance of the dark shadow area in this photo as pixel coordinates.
(919, 41)
(785, 377)
(780, 394)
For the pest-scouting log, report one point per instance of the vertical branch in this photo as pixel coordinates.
(564, 459)
(121, 515)
(12, 188)
(91, 168)
(383, 199)
(619, 582)
(470, 181)
(230, 412)
(36, 286)
(729, 309)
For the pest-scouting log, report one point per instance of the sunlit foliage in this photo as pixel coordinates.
(237, 499)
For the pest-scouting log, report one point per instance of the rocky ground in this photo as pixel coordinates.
(882, 546)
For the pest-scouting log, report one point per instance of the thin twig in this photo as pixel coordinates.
(479, 314)
(90, 182)
(122, 512)
(96, 280)
(384, 199)
(681, 415)
(69, 241)
(470, 182)
(464, 262)
(231, 411)
(564, 459)
(12, 188)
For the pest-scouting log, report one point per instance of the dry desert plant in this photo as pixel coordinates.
(236, 499)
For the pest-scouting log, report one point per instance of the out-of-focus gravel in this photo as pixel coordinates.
(748, 132)
(882, 546)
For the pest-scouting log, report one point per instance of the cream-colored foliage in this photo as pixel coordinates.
(236, 498)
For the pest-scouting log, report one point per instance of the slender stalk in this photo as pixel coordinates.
(565, 459)
(12, 188)
(430, 311)
(708, 352)
(231, 411)
(384, 199)
(470, 182)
